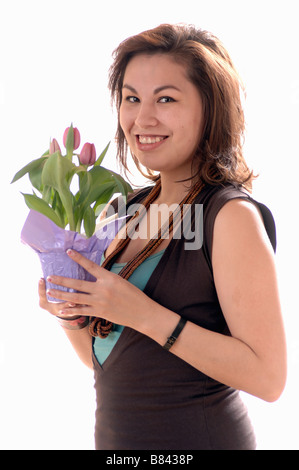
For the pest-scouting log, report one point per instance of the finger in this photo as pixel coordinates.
(86, 263)
(70, 297)
(43, 299)
(76, 284)
(42, 293)
(83, 310)
(52, 308)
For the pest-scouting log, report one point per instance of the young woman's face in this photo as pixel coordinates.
(161, 114)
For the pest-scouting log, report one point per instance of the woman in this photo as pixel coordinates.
(177, 330)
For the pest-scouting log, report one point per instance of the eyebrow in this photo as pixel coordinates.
(156, 91)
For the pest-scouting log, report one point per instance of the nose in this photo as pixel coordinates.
(146, 116)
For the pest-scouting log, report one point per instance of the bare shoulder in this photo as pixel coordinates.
(242, 255)
(238, 207)
(240, 219)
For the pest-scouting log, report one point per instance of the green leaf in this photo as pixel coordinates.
(35, 176)
(100, 174)
(56, 170)
(101, 157)
(89, 222)
(30, 167)
(57, 173)
(47, 194)
(103, 199)
(104, 184)
(39, 205)
(82, 197)
(85, 188)
(120, 184)
(69, 144)
(58, 208)
(123, 185)
(100, 180)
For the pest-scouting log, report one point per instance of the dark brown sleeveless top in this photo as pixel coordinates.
(149, 399)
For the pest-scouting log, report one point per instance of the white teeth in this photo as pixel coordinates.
(143, 139)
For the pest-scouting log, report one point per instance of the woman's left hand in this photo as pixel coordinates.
(110, 296)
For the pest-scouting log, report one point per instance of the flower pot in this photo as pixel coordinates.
(60, 264)
(51, 242)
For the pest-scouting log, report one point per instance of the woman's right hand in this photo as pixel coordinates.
(52, 307)
(81, 340)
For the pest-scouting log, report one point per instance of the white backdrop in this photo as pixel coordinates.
(54, 59)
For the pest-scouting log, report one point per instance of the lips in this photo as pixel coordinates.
(146, 139)
(147, 142)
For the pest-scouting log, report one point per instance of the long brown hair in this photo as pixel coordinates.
(219, 156)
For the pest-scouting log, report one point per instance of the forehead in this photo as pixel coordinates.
(155, 69)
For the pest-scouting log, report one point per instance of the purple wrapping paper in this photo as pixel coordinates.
(51, 242)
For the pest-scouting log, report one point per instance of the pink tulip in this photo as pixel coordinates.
(77, 137)
(88, 154)
(54, 146)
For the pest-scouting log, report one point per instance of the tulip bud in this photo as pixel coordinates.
(77, 137)
(54, 146)
(88, 154)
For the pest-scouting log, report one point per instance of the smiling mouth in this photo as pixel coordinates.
(150, 139)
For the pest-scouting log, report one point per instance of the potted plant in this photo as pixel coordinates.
(63, 211)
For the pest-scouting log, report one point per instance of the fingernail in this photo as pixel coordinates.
(49, 279)
(49, 292)
(41, 281)
(70, 252)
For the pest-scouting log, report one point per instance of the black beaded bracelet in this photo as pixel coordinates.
(176, 332)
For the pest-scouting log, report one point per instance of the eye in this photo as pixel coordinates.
(166, 99)
(132, 99)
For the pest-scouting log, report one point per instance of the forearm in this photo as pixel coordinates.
(224, 358)
(81, 341)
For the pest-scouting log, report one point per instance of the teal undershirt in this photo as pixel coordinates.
(103, 347)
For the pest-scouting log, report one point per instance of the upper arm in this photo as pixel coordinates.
(245, 279)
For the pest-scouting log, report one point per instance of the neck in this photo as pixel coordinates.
(172, 191)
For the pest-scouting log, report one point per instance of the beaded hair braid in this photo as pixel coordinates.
(99, 326)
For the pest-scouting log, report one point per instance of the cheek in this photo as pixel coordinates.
(195, 130)
(126, 122)
(188, 137)
(188, 131)
(122, 120)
